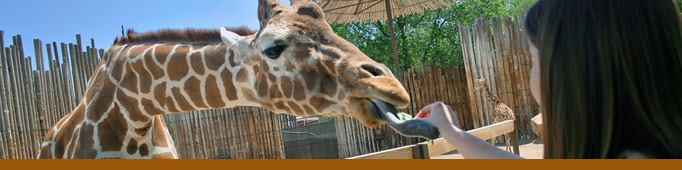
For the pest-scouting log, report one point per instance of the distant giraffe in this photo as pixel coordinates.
(294, 65)
(501, 113)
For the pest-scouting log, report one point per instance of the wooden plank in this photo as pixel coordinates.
(440, 146)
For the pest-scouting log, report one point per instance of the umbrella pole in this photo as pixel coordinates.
(389, 14)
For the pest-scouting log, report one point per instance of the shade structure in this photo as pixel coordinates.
(350, 11)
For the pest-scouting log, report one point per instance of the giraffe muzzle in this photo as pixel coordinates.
(410, 128)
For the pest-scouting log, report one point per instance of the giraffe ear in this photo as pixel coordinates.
(230, 38)
(268, 9)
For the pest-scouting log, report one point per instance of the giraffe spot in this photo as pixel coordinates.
(328, 86)
(150, 108)
(197, 63)
(86, 146)
(299, 90)
(67, 132)
(144, 150)
(73, 142)
(102, 92)
(265, 67)
(143, 131)
(159, 133)
(342, 95)
(308, 11)
(130, 79)
(282, 106)
(96, 81)
(162, 52)
(184, 105)
(276, 69)
(302, 50)
(243, 76)
(272, 78)
(249, 95)
(312, 79)
(274, 92)
(215, 100)
(330, 66)
(116, 69)
(287, 86)
(138, 50)
(45, 152)
(193, 89)
(267, 106)
(262, 86)
(177, 66)
(230, 89)
(131, 106)
(215, 58)
(296, 109)
(156, 71)
(232, 61)
(290, 67)
(112, 131)
(308, 110)
(323, 68)
(160, 95)
(132, 146)
(145, 77)
(320, 103)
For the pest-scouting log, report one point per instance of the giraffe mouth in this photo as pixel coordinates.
(410, 128)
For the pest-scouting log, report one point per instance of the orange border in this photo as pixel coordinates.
(340, 164)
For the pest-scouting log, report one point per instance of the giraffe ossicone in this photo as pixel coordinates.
(295, 64)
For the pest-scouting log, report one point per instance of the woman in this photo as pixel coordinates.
(608, 77)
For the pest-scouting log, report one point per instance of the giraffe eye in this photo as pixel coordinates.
(275, 52)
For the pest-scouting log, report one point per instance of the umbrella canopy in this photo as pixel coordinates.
(349, 11)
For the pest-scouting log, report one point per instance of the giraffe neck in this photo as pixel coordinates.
(120, 115)
(490, 96)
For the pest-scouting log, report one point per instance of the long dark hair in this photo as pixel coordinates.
(611, 77)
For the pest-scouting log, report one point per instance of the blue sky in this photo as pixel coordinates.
(60, 20)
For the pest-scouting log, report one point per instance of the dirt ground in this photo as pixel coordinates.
(529, 149)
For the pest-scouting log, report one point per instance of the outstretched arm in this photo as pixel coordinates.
(470, 146)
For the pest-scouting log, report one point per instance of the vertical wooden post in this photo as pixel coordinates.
(389, 14)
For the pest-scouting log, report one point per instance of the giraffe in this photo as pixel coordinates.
(295, 64)
(501, 112)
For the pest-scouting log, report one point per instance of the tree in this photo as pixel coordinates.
(431, 38)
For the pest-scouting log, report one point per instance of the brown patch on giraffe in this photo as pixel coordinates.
(308, 110)
(165, 155)
(150, 108)
(178, 66)
(267, 106)
(102, 92)
(341, 95)
(275, 68)
(249, 95)
(262, 86)
(163, 99)
(290, 67)
(112, 131)
(287, 86)
(272, 78)
(154, 69)
(130, 79)
(308, 11)
(230, 89)
(193, 89)
(138, 50)
(320, 103)
(295, 108)
(159, 133)
(330, 66)
(145, 77)
(243, 76)
(302, 50)
(132, 146)
(274, 92)
(215, 59)
(312, 78)
(73, 142)
(190, 35)
(162, 52)
(282, 106)
(144, 150)
(233, 63)
(184, 105)
(214, 98)
(45, 152)
(143, 131)
(131, 106)
(86, 147)
(299, 90)
(65, 136)
(197, 63)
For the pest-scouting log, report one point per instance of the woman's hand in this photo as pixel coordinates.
(440, 115)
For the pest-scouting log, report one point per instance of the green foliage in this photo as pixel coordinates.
(431, 38)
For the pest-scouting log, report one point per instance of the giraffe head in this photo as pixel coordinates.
(480, 83)
(298, 65)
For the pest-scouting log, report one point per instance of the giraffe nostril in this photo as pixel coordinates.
(375, 71)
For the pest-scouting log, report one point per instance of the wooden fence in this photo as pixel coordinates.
(34, 99)
(497, 51)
